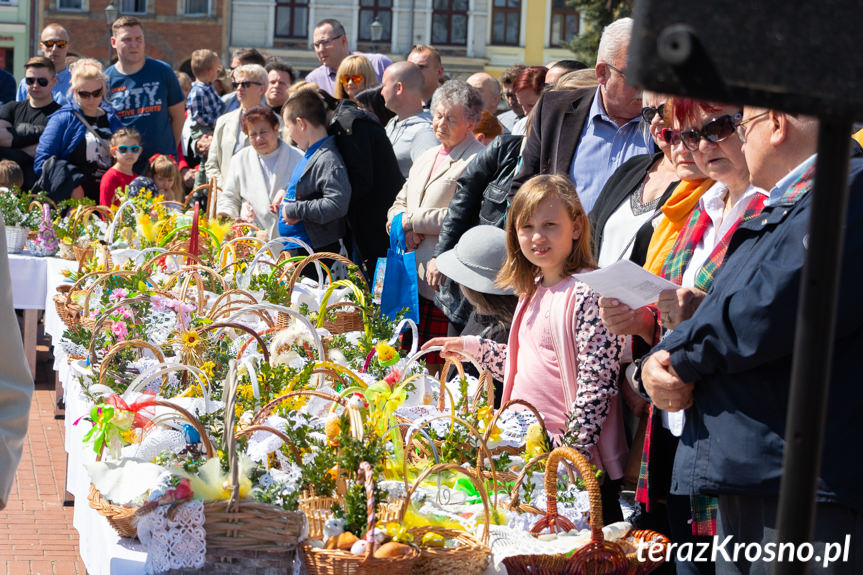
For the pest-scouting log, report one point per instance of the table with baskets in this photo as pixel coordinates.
(105, 552)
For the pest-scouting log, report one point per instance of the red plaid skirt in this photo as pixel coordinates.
(433, 323)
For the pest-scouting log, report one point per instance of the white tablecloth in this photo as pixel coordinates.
(29, 285)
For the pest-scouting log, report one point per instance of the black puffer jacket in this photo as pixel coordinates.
(480, 198)
(374, 175)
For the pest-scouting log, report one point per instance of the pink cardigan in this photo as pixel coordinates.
(589, 365)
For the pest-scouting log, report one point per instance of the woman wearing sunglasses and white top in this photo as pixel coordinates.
(74, 148)
(250, 82)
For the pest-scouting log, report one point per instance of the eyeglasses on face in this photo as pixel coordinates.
(649, 112)
(714, 131)
(51, 43)
(325, 43)
(133, 149)
(245, 84)
(741, 131)
(348, 78)
(618, 70)
(41, 81)
(85, 94)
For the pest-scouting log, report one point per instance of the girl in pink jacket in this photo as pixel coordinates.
(559, 356)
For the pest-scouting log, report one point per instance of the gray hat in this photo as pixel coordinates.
(476, 259)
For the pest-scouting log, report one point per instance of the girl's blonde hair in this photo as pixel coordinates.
(125, 133)
(354, 65)
(518, 273)
(88, 69)
(163, 166)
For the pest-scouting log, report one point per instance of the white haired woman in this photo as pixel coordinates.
(250, 82)
(456, 108)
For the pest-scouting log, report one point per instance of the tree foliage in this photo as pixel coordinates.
(596, 15)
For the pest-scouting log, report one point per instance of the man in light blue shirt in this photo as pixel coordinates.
(603, 147)
(54, 43)
(331, 47)
(588, 133)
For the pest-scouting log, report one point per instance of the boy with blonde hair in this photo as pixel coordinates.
(203, 101)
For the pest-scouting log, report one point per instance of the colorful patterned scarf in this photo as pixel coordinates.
(704, 508)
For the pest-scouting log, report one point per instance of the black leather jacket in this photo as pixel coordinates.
(480, 198)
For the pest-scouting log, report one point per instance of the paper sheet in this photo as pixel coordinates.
(627, 282)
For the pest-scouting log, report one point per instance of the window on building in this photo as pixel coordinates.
(292, 19)
(564, 22)
(197, 7)
(69, 4)
(383, 10)
(506, 22)
(133, 6)
(449, 22)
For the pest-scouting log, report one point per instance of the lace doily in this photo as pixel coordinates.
(174, 543)
(156, 441)
(263, 443)
(160, 324)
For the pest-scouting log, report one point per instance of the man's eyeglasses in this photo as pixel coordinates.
(245, 84)
(94, 94)
(649, 112)
(51, 43)
(616, 69)
(714, 131)
(41, 81)
(324, 43)
(133, 149)
(347, 78)
(741, 131)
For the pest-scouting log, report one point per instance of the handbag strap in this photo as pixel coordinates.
(398, 242)
(87, 125)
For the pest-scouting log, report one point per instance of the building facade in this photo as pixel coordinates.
(173, 28)
(15, 35)
(472, 35)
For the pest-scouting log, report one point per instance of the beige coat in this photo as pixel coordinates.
(427, 200)
(16, 383)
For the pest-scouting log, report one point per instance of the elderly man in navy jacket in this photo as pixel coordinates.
(729, 365)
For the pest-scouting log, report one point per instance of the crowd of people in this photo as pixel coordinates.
(502, 204)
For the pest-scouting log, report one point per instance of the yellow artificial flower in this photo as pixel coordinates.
(535, 443)
(145, 227)
(220, 230)
(332, 428)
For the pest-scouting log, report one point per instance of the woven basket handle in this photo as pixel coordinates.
(483, 449)
(265, 410)
(118, 347)
(241, 327)
(315, 257)
(103, 317)
(554, 520)
(194, 422)
(165, 254)
(449, 363)
(509, 404)
(89, 291)
(230, 398)
(295, 452)
(221, 302)
(366, 474)
(467, 473)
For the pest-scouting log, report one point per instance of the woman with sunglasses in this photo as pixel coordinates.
(74, 150)
(706, 131)
(633, 196)
(250, 82)
(354, 75)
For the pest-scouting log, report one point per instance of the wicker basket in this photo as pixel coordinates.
(470, 556)
(245, 536)
(123, 518)
(16, 239)
(69, 312)
(336, 562)
(599, 557)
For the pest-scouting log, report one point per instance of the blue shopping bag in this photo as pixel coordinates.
(396, 277)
